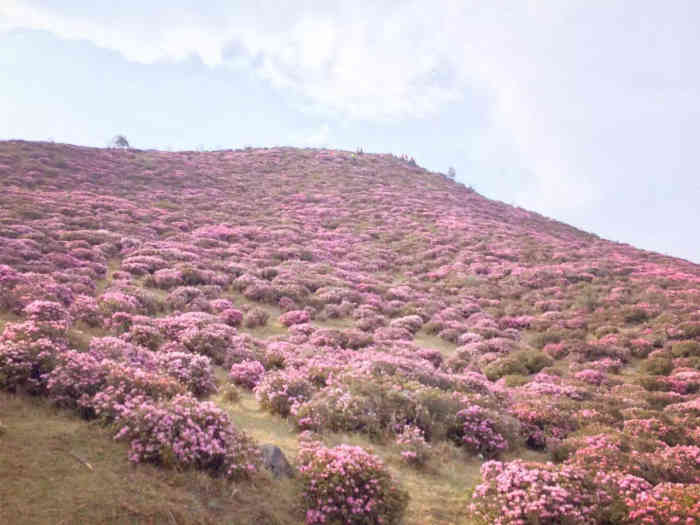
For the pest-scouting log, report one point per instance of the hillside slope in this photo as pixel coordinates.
(368, 301)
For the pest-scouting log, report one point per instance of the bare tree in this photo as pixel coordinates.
(451, 172)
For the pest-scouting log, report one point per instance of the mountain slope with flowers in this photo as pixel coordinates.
(451, 356)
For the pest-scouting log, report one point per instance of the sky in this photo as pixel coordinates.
(584, 111)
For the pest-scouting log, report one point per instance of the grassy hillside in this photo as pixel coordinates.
(328, 297)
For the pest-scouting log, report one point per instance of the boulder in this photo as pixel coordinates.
(274, 460)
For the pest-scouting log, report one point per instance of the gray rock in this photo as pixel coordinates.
(274, 461)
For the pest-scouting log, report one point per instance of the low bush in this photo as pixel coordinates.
(665, 503)
(522, 493)
(294, 317)
(348, 485)
(24, 364)
(478, 432)
(658, 366)
(212, 340)
(76, 378)
(281, 390)
(184, 432)
(255, 317)
(246, 373)
(192, 370)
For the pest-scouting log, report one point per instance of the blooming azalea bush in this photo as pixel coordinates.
(87, 310)
(478, 432)
(212, 340)
(144, 335)
(294, 317)
(75, 379)
(283, 390)
(346, 484)
(231, 316)
(47, 311)
(246, 373)
(665, 503)
(24, 364)
(126, 384)
(520, 492)
(193, 371)
(185, 432)
(255, 317)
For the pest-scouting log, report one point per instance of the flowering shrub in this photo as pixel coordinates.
(665, 503)
(116, 301)
(33, 331)
(592, 377)
(679, 464)
(185, 432)
(75, 379)
(212, 340)
(478, 432)
(653, 428)
(186, 298)
(255, 317)
(247, 373)
(193, 371)
(47, 311)
(519, 492)
(168, 278)
(294, 317)
(144, 335)
(414, 449)
(24, 364)
(345, 484)
(281, 390)
(231, 316)
(617, 490)
(86, 309)
(125, 385)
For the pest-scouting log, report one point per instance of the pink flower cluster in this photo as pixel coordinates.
(185, 432)
(672, 503)
(246, 373)
(520, 493)
(346, 484)
(478, 432)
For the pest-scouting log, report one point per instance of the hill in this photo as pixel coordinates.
(198, 304)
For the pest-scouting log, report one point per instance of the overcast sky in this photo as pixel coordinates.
(587, 112)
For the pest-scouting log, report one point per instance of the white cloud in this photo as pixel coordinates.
(565, 81)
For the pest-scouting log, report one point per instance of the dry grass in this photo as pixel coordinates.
(113, 265)
(339, 324)
(7, 317)
(44, 458)
(439, 492)
(259, 424)
(426, 340)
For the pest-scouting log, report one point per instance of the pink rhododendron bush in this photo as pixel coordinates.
(533, 493)
(666, 503)
(187, 433)
(351, 295)
(346, 484)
